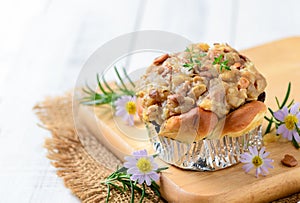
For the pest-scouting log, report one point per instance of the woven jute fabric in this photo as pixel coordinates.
(81, 173)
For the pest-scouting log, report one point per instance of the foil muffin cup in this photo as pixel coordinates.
(204, 155)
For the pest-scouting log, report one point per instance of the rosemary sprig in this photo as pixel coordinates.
(223, 64)
(194, 59)
(107, 95)
(121, 181)
(280, 106)
(273, 119)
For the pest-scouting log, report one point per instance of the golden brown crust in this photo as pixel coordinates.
(193, 125)
(244, 119)
(198, 123)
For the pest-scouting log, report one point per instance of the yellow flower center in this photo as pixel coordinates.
(290, 121)
(144, 165)
(257, 161)
(130, 107)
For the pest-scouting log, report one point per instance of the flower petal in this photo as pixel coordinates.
(148, 180)
(296, 136)
(261, 151)
(154, 176)
(129, 164)
(120, 112)
(285, 110)
(258, 171)
(264, 170)
(248, 167)
(295, 108)
(267, 164)
(251, 150)
(130, 159)
(255, 151)
(283, 131)
(246, 157)
(280, 115)
(141, 179)
(290, 135)
(135, 177)
(134, 170)
(140, 153)
(265, 155)
(130, 120)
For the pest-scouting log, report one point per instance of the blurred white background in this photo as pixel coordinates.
(44, 44)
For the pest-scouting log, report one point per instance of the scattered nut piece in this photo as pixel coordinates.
(159, 60)
(289, 161)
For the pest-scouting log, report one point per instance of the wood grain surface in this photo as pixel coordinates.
(279, 61)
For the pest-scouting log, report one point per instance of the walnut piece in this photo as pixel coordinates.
(289, 161)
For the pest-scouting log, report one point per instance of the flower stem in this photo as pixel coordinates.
(143, 193)
(132, 192)
(108, 193)
(295, 143)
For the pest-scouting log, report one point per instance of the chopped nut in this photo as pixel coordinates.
(160, 70)
(243, 83)
(237, 64)
(203, 47)
(159, 60)
(227, 49)
(199, 90)
(289, 161)
(197, 79)
(154, 94)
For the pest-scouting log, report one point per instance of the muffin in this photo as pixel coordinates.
(203, 107)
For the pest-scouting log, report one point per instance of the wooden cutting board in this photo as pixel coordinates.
(279, 62)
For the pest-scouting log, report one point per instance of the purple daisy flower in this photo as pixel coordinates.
(289, 118)
(142, 167)
(126, 108)
(257, 159)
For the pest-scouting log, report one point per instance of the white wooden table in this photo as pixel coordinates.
(44, 44)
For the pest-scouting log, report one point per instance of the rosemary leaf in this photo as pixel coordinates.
(187, 50)
(161, 169)
(119, 77)
(89, 88)
(100, 86)
(117, 187)
(277, 102)
(217, 60)
(291, 103)
(268, 129)
(106, 85)
(87, 91)
(128, 78)
(286, 96)
(271, 111)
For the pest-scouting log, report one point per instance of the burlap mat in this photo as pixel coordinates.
(81, 173)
